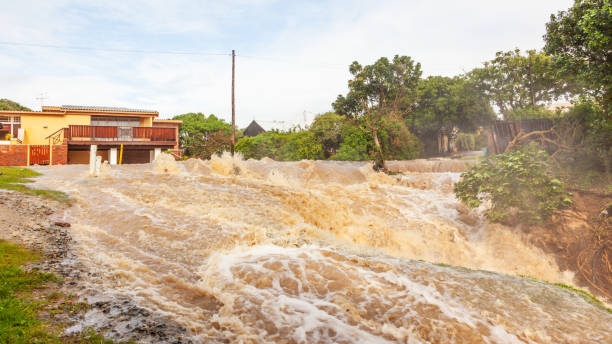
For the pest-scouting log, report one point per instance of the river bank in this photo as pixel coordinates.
(71, 308)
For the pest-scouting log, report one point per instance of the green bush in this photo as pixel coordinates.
(466, 142)
(398, 143)
(518, 185)
(355, 145)
(301, 145)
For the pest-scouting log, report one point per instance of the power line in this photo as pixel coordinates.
(137, 51)
(277, 59)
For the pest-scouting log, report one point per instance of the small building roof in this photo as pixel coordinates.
(103, 108)
(253, 129)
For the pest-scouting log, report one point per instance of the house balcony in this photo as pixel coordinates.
(112, 136)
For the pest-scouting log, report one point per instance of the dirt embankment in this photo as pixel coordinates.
(580, 239)
(36, 224)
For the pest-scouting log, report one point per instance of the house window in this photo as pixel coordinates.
(115, 121)
(10, 125)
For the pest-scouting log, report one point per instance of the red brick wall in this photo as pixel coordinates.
(60, 154)
(13, 155)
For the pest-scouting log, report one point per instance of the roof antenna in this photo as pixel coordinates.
(41, 98)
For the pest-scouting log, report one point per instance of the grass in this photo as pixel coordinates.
(14, 178)
(22, 313)
(588, 297)
(585, 294)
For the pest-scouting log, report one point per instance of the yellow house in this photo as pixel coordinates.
(132, 135)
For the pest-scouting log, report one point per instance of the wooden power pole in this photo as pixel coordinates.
(233, 103)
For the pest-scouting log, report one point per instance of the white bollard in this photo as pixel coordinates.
(156, 153)
(98, 164)
(112, 156)
(92, 159)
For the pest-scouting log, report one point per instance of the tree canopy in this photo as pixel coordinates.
(203, 136)
(580, 41)
(381, 91)
(9, 105)
(514, 81)
(449, 102)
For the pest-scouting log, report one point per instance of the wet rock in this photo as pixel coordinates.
(62, 224)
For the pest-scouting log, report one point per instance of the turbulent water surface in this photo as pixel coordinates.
(326, 252)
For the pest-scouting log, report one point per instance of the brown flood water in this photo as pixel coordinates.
(325, 252)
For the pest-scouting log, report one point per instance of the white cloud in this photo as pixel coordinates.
(302, 52)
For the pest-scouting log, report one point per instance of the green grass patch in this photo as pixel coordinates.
(14, 178)
(588, 297)
(20, 312)
(18, 322)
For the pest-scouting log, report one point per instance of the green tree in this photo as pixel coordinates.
(514, 81)
(580, 41)
(327, 128)
(450, 102)
(377, 92)
(355, 146)
(9, 105)
(203, 136)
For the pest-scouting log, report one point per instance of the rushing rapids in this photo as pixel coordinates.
(264, 251)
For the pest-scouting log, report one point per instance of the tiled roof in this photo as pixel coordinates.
(103, 108)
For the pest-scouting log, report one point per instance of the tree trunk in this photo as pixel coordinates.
(379, 161)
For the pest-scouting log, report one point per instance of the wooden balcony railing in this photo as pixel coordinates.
(108, 133)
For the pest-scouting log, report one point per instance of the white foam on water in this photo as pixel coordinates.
(315, 251)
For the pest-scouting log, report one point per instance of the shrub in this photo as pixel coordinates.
(466, 142)
(355, 145)
(518, 185)
(301, 145)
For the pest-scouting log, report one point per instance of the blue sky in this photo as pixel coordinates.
(293, 56)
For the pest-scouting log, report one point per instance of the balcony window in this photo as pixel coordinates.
(115, 121)
(10, 125)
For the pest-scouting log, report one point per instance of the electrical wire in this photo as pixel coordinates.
(113, 50)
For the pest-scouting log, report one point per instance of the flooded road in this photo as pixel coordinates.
(302, 252)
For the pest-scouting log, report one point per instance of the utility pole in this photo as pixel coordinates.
(233, 103)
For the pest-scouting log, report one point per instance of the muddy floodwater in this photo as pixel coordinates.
(316, 252)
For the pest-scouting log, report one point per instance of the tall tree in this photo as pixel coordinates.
(451, 102)
(381, 91)
(580, 41)
(203, 136)
(514, 81)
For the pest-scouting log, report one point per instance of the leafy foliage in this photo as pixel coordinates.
(203, 136)
(356, 145)
(450, 102)
(514, 81)
(379, 92)
(288, 146)
(580, 41)
(301, 145)
(327, 128)
(517, 184)
(9, 105)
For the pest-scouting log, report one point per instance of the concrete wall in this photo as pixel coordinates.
(34, 126)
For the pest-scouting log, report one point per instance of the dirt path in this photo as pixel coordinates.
(36, 224)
